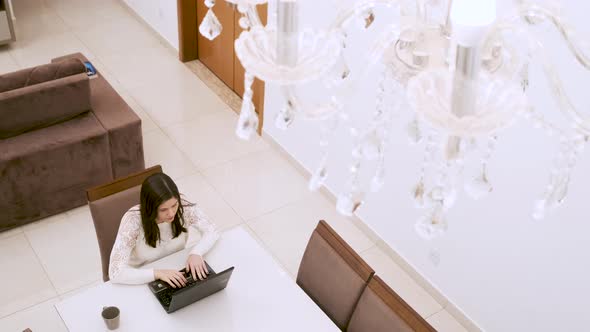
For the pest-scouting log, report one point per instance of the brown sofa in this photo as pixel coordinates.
(60, 134)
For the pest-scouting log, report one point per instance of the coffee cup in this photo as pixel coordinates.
(111, 317)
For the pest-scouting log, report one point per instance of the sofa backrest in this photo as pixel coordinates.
(39, 74)
(39, 97)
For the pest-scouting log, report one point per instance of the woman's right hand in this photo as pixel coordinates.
(172, 277)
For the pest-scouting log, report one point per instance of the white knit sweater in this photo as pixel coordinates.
(130, 250)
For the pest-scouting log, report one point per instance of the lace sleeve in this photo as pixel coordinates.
(196, 218)
(119, 269)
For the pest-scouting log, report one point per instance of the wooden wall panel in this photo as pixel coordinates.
(218, 54)
(187, 29)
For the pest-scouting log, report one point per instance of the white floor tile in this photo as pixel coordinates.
(108, 76)
(143, 65)
(177, 97)
(42, 317)
(44, 222)
(42, 49)
(159, 150)
(68, 250)
(117, 36)
(11, 232)
(32, 24)
(196, 190)
(7, 62)
(25, 281)
(443, 322)
(89, 13)
(147, 124)
(210, 140)
(286, 231)
(401, 282)
(257, 183)
(79, 212)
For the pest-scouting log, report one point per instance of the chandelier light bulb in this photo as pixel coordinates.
(470, 19)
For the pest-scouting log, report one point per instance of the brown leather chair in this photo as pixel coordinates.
(380, 309)
(108, 203)
(333, 274)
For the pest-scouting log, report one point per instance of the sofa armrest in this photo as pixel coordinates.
(122, 124)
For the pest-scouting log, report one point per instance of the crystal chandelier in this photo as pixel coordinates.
(464, 77)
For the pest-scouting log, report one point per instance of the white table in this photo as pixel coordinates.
(260, 296)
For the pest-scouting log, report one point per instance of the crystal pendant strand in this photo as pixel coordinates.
(248, 120)
(370, 145)
(348, 202)
(571, 147)
(366, 19)
(480, 186)
(440, 198)
(286, 115)
(319, 176)
(433, 224)
(444, 192)
(413, 131)
(419, 189)
(338, 74)
(210, 27)
(557, 189)
(244, 21)
(382, 121)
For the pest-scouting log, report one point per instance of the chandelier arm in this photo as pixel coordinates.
(538, 49)
(350, 13)
(535, 14)
(252, 15)
(566, 104)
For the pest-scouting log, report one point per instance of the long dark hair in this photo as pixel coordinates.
(155, 190)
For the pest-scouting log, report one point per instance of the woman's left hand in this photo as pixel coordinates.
(196, 265)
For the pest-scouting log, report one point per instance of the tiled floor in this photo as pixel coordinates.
(189, 131)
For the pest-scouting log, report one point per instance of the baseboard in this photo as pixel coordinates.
(438, 296)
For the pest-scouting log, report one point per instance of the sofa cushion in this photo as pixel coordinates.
(44, 104)
(39, 74)
(47, 171)
(122, 124)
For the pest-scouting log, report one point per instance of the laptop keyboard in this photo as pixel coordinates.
(166, 294)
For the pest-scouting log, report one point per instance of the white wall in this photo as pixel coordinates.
(506, 271)
(161, 15)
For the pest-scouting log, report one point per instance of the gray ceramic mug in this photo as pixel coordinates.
(111, 317)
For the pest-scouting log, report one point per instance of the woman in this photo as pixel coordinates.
(161, 224)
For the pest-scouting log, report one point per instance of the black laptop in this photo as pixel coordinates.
(173, 299)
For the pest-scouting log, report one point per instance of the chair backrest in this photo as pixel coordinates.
(380, 309)
(332, 274)
(108, 203)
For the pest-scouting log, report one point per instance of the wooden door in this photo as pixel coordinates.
(218, 54)
(258, 86)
